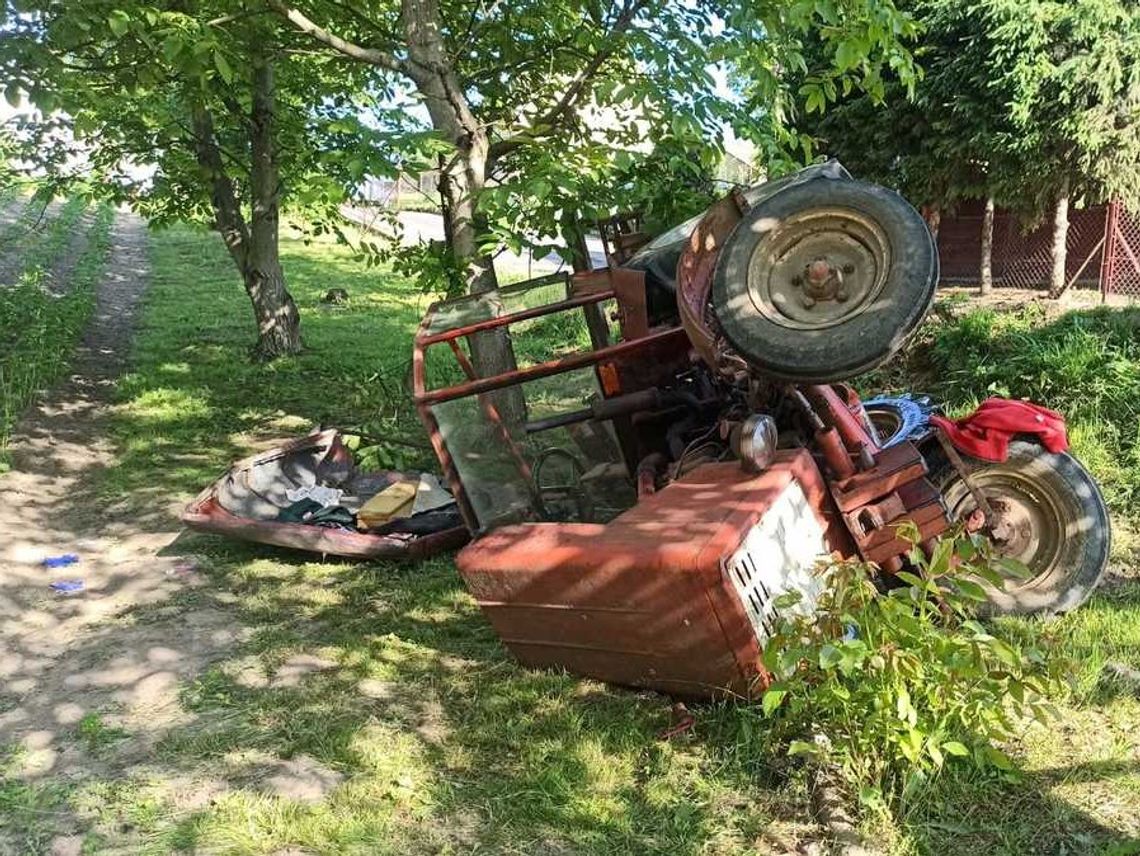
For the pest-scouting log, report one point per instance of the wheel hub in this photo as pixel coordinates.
(818, 268)
(1027, 523)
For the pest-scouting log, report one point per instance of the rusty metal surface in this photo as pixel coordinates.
(632, 364)
(835, 409)
(642, 601)
(695, 274)
(580, 359)
(629, 288)
(510, 318)
(205, 514)
(876, 490)
(622, 235)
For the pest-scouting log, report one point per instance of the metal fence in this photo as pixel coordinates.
(1120, 270)
(1022, 259)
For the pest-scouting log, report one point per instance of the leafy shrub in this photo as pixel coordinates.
(890, 688)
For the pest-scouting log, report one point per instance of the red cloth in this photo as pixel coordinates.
(986, 432)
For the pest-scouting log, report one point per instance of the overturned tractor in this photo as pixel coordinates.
(673, 447)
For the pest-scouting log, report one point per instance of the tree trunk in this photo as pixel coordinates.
(932, 213)
(987, 277)
(278, 323)
(1060, 239)
(253, 246)
(574, 236)
(461, 181)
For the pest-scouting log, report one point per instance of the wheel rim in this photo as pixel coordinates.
(886, 423)
(1029, 526)
(818, 268)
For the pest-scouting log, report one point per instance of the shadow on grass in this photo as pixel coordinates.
(1034, 814)
(444, 742)
(194, 401)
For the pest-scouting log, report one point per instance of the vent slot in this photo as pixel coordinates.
(779, 554)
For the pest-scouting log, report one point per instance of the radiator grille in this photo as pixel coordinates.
(779, 554)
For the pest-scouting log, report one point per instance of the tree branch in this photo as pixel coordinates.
(372, 56)
(557, 114)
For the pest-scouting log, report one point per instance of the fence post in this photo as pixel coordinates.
(1108, 254)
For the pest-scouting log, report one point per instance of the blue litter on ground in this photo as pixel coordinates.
(60, 561)
(67, 586)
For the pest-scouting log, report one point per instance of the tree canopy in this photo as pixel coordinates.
(1017, 97)
(546, 106)
(1070, 74)
(533, 112)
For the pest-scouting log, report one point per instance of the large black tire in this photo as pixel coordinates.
(1056, 524)
(871, 234)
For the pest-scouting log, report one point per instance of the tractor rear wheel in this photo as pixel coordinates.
(824, 279)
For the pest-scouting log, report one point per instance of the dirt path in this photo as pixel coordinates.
(67, 657)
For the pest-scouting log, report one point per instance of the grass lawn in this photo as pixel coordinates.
(438, 741)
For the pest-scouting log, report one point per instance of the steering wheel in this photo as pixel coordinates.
(561, 502)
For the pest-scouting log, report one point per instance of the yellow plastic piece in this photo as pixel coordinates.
(391, 503)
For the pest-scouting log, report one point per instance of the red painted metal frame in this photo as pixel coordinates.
(586, 289)
(513, 318)
(851, 430)
(582, 359)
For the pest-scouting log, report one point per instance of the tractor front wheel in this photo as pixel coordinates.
(1048, 514)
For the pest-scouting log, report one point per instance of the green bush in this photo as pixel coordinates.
(892, 688)
(39, 328)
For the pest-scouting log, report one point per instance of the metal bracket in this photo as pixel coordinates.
(960, 465)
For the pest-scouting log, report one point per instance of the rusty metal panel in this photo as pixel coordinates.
(645, 600)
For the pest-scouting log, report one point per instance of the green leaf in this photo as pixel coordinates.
(935, 754)
(998, 758)
(801, 747)
(904, 708)
(787, 599)
(847, 54)
(223, 67)
(953, 747)
(970, 589)
(940, 560)
(172, 46)
(119, 22)
(829, 656)
(912, 579)
(1013, 568)
(1005, 652)
(772, 699)
(12, 94)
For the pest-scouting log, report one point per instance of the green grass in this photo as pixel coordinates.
(444, 744)
(39, 328)
(1081, 777)
(194, 401)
